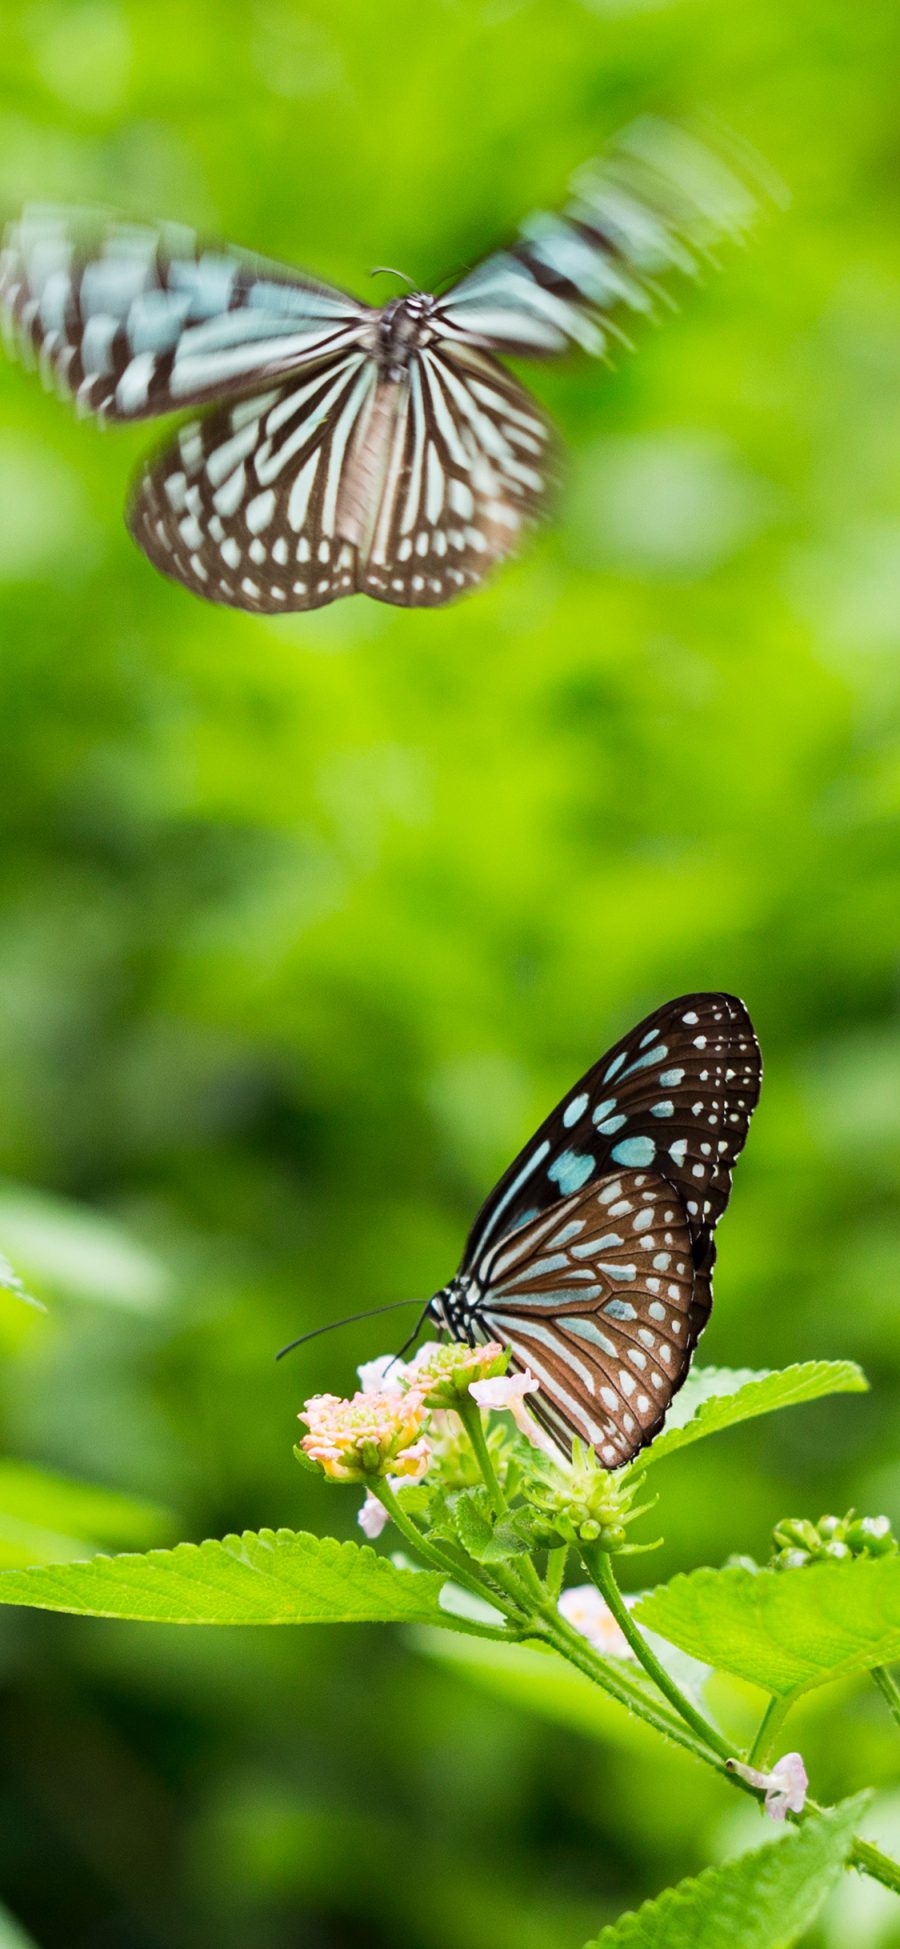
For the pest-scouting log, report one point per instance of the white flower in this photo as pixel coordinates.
(382, 1376)
(372, 1517)
(785, 1787)
(508, 1391)
(583, 1607)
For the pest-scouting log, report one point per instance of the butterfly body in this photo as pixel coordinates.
(348, 449)
(592, 1259)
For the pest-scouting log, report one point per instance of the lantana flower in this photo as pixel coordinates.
(583, 1607)
(371, 1435)
(445, 1371)
(785, 1786)
(385, 1375)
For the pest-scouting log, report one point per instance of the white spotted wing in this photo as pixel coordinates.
(671, 1102)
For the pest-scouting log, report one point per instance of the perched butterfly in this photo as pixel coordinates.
(592, 1259)
(350, 448)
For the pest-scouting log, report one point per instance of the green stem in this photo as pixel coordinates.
(770, 1724)
(522, 1573)
(598, 1564)
(556, 1570)
(870, 1861)
(888, 1687)
(432, 1554)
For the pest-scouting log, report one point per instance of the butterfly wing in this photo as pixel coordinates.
(657, 203)
(130, 320)
(595, 1298)
(675, 1096)
(469, 469)
(242, 506)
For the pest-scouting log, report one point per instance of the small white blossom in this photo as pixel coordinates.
(583, 1607)
(507, 1392)
(785, 1787)
(372, 1517)
(382, 1376)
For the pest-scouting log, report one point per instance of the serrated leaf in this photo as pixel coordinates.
(764, 1900)
(50, 1518)
(786, 1630)
(472, 1523)
(719, 1397)
(266, 1577)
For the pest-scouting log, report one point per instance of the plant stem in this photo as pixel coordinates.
(470, 1416)
(768, 1727)
(888, 1687)
(556, 1570)
(433, 1555)
(522, 1572)
(870, 1861)
(598, 1564)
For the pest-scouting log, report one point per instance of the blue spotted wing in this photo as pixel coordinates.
(667, 1110)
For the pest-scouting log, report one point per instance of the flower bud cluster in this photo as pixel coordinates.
(798, 1542)
(384, 1430)
(579, 1502)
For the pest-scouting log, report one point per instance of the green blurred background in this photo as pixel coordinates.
(303, 924)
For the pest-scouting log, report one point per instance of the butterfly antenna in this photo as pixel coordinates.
(351, 1320)
(388, 270)
(412, 1338)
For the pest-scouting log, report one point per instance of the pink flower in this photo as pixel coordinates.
(583, 1607)
(443, 1371)
(785, 1786)
(372, 1517)
(374, 1434)
(508, 1393)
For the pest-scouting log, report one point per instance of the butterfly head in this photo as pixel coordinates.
(403, 325)
(452, 1309)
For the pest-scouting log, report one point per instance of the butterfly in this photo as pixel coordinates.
(592, 1258)
(350, 448)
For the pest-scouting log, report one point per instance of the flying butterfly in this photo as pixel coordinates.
(350, 449)
(592, 1258)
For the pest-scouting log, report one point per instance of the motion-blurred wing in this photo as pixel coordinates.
(656, 204)
(243, 505)
(130, 320)
(596, 1299)
(468, 472)
(674, 1097)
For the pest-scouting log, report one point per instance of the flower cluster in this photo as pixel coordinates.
(369, 1436)
(797, 1542)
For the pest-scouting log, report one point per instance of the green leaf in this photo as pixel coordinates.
(786, 1630)
(11, 1283)
(12, 1935)
(764, 1900)
(720, 1397)
(80, 1253)
(270, 1577)
(49, 1518)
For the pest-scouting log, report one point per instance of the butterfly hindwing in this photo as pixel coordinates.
(595, 1299)
(469, 470)
(242, 506)
(131, 320)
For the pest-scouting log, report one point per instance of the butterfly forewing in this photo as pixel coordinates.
(132, 320)
(595, 1299)
(656, 204)
(674, 1096)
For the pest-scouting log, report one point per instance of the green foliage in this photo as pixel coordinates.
(48, 1518)
(269, 1577)
(714, 1398)
(788, 1632)
(764, 1900)
(11, 1283)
